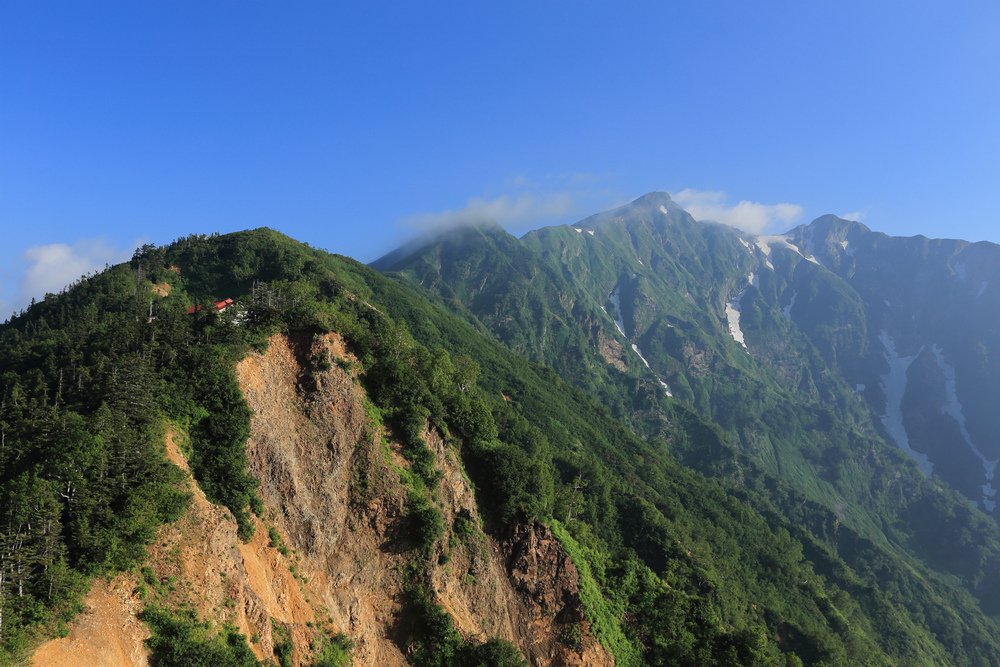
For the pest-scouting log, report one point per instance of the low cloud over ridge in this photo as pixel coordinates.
(749, 216)
(504, 209)
(53, 266)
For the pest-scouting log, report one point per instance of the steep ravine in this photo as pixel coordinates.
(331, 488)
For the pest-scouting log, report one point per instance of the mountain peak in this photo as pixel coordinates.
(655, 199)
(458, 235)
(830, 226)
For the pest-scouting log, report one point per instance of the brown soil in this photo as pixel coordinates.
(224, 579)
(161, 289)
(106, 634)
(611, 351)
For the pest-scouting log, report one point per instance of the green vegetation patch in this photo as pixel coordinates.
(179, 639)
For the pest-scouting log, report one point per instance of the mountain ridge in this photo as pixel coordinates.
(730, 564)
(792, 314)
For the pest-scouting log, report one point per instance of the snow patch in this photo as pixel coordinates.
(663, 210)
(766, 243)
(590, 231)
(638, 352)
(640, 261)
(733, 318)
(635, 348)
(617, 303)
(859, 388)
(745, 244)
(787, 310)
(961, 271)
(733, 312)
(615, 299)
(953, 408)
(766, 249)
(894, 386)
(578, 230)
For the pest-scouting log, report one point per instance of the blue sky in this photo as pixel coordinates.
(353, 127)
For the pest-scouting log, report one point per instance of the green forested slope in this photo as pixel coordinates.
(678, 568)
(787, 407)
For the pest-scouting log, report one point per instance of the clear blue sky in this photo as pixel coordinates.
(348, 127)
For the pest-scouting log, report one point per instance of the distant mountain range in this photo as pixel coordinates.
(637, 440)
(811, 349)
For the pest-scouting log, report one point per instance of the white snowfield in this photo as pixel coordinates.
(615, 299)
(894, 387)
(616, 302)
(733, 312)
(767, 243)
(766, 249)
(635, 348)
(733, 318)
(953, 408)
(787, 310)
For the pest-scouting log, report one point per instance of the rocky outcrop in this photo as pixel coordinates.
(548, 588)
(331, 487)
(326, 487)
(202, 563)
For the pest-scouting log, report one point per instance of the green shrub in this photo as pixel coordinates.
(335, 651)
(281, 639)
(275, 540)
(423, 520)
(179, 639)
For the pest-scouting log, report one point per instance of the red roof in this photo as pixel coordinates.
(219, 306)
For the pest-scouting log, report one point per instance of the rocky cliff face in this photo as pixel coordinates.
(331, 487)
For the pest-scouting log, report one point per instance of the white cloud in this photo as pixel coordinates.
(53, 266)
(505, 210)
(749, 216)
(856, 216)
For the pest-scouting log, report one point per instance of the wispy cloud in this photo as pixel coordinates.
(522, 202)
(505, 210)
(749, 216)
(51, 267)
(856, 216)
